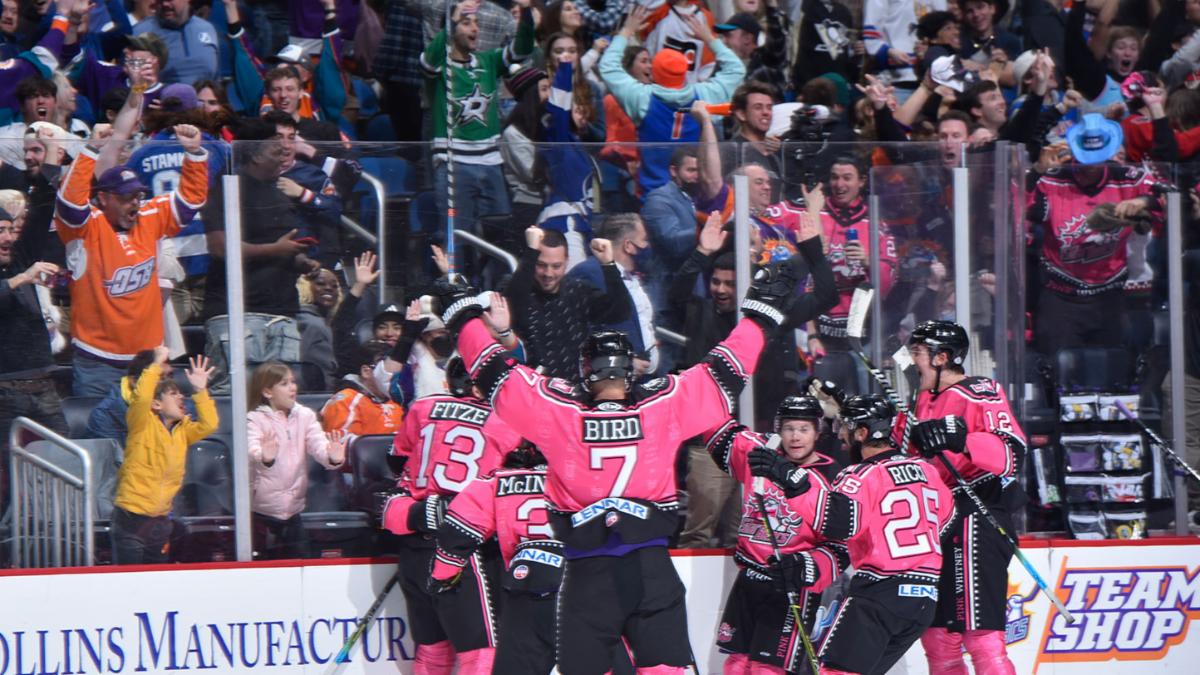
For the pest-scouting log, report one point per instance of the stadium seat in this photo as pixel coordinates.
(334, 528)
(193, 339)
(313, 401)
(1098, 369)
(380, 129)
(203, 509)
(423, 214)
(397, 175)
(370, 470)
(77, 410)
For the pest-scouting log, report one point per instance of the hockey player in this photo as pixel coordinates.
(970, 420)
(610, 448)
(510, 505)
(891, 509)
(757, 625)
(448, 440)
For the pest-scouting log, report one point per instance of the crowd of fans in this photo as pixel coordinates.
(571, 133)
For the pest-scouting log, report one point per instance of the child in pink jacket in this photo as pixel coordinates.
(280, 433)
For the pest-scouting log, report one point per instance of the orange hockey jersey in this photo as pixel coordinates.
(116, 304)
(357, 413)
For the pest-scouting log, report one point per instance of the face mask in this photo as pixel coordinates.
(442, 346)
(383, 379)
(643, 259)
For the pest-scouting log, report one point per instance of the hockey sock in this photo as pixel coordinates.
(660, 670)
(943, 652)
(825, 670)
(737, 664)
(765, 669)
(988, 652)
(434, 659)
(476, 661)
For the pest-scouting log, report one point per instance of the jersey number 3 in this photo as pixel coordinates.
(905, 525)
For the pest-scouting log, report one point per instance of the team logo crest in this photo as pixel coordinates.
(609, 406)
(1081, 244)
(784, 521)
(611, 519)
(520, 572)
(1016, 619)
(724, 632)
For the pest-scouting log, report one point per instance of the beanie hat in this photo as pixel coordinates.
(670, 68)
(521, 79)
(840, 86)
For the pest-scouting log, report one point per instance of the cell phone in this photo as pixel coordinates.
(852, 235)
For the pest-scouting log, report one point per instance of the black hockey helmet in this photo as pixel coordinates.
(606, 355)
(797, 408)
(457, 378)
(524, 456)
(943, 336)
(870, 411)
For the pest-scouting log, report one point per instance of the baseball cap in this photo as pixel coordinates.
(742, 20)
(178, 97)
(120, 180)
(292, 55)
(670, 68)
(388, 312)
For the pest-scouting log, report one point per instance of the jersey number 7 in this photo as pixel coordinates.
(627, 454)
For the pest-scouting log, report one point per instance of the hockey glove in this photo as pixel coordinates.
(828, 394)
(426, 516)
(381, 501)
(438, 586)
(792, 479)
(771, 296)
(798, 570)
(457, 302)
(933, 436)
(1104, 219)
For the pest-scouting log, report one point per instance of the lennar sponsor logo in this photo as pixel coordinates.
(1124, 613)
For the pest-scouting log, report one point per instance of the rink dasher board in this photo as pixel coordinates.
(1137, 604)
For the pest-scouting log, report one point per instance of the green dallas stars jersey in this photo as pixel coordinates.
(476, 85)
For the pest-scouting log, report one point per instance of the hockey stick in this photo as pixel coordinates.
(450, 212)
(1158, 440)
(911, 421)
(793, 597)
(359, 628)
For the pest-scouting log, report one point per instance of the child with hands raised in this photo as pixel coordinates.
(281, 432)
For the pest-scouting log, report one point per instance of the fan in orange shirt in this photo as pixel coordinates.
(112, 246)
(363, 408)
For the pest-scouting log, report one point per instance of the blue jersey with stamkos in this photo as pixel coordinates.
(662, 126)
(157, 165)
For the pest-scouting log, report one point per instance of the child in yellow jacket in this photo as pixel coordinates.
(155, 454)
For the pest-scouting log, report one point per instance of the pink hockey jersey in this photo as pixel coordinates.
(448, 442)
(836, 222)
(995, 441)
(511, 506)
(892, 511)
(1078, 260)
(796, 521)
(612, 463)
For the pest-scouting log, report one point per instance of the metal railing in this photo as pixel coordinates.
(488, 248)
(52, 520)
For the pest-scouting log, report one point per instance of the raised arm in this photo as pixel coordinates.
(708, 153)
